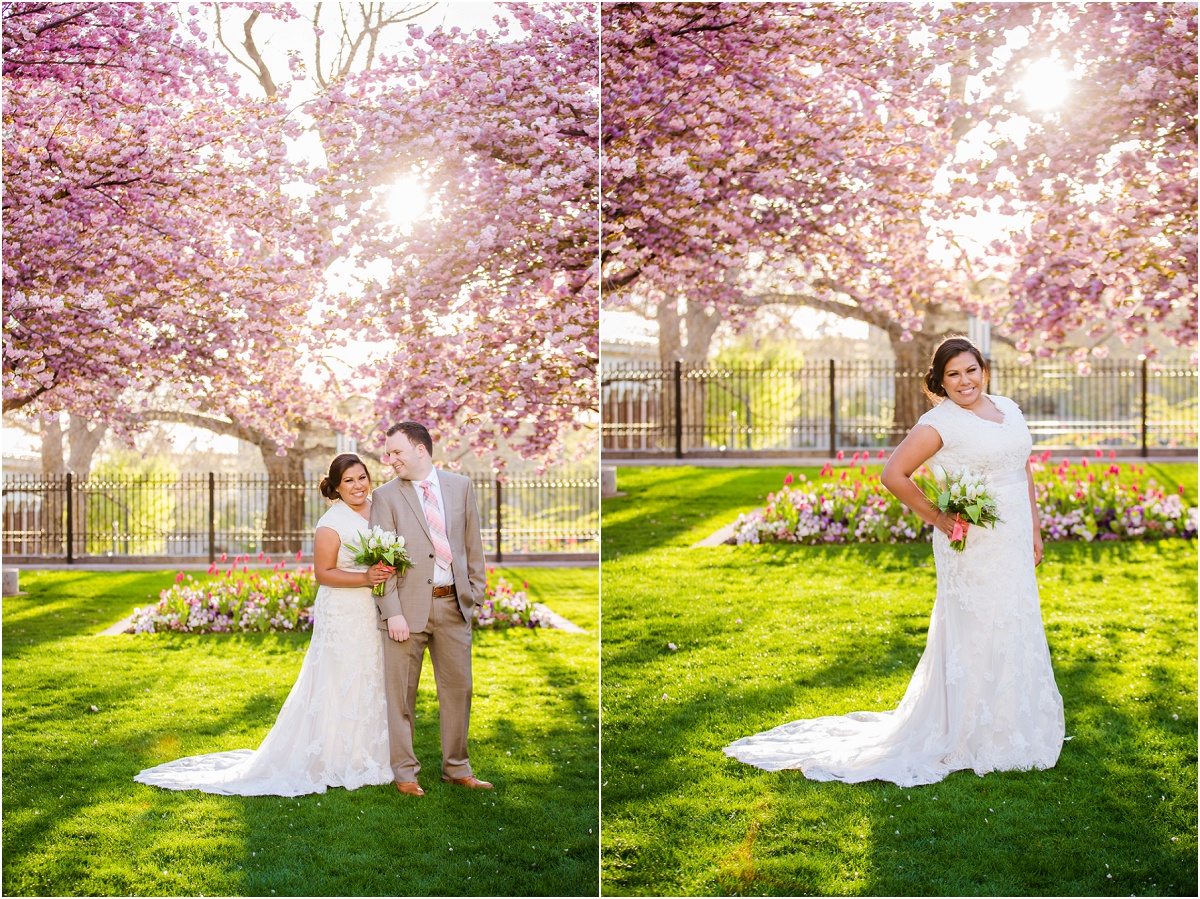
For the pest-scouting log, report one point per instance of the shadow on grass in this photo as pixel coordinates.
(666, 504)
(1121, 795)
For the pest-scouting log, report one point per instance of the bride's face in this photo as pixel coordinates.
(963, 379)
(355, 486)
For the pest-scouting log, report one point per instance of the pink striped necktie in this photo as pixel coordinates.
(437, 527)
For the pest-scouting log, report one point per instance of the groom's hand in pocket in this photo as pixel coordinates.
(398, 628)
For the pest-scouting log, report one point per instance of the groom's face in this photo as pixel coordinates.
(406, 458)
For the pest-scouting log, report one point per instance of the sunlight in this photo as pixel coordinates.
(406, 202)
(1046, 84)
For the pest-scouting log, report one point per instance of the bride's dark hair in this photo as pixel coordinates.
(337, 470)
(947, 350)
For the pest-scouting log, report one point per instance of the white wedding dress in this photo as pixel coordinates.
(983, 695)
(332, 730)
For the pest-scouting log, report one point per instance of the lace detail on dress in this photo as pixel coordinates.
(970, 701)
(332, 730)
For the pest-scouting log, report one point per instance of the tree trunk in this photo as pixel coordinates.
(286, 526)
(688, 337)
(77, 457)
(912, 361)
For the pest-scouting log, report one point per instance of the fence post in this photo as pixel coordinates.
(499, 528)
(678, 408)
(1145, 434)
(832, 408)
(212, 517)
(70, 521)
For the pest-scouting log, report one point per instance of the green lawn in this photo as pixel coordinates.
(769, 634)
(75, 823)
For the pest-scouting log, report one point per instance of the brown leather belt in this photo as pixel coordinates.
(445, 591)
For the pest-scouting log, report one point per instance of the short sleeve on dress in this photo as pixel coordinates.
(936, 418)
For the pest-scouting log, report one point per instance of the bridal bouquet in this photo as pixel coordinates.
(963, 494)
(378, 545)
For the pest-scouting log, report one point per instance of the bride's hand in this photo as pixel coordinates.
(1037, 549)
(377, 574)
(945, 524)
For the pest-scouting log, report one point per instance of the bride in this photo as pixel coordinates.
(983, 695)
(332, 730)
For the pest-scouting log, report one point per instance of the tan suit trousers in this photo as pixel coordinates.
(448, 638)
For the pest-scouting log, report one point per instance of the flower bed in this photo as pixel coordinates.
(262, 603)
(505, 607)
(1100, 500)
(282, 601)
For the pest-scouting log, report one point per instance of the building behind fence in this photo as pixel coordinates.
(830, 405)
(202, 516)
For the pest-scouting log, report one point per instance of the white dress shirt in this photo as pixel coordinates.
(442, 577)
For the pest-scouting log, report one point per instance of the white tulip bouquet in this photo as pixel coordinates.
(378, 545)
(963, 494)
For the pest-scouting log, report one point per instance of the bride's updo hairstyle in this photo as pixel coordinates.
(337, 469)
(947, 350)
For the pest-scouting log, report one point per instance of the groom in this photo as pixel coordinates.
(431, 605)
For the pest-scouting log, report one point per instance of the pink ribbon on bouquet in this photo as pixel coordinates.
(959, 533)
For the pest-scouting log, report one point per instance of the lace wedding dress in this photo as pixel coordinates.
(983, 695)
(332, 730)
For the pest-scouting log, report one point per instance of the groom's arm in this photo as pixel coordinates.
(383, 516)
(476, 565)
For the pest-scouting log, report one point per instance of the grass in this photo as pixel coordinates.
(769, 634)
(75, 823)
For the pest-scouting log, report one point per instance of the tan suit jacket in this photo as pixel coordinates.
(396, 506)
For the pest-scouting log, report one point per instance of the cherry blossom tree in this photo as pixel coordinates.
(806, 154)
(1103, 186)
(777, 153)
(492, 295)
(146, 241)
(188, 249)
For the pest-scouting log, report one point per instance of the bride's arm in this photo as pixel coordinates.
(1037, 524)
(326, 544)
(920, 444)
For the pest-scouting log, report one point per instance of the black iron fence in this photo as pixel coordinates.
(831, 405)
(201, 516)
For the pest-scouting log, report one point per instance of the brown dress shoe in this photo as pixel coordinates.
(409, 788)
(469, 781)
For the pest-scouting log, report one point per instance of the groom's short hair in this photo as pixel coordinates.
(415, 432)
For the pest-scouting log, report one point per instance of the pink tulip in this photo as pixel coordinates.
(840, 455)
(881, 454)
(1099, 454)
(299, 555)
(1112, 454)
(223, 557)
(788, 478)
(179, 578)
